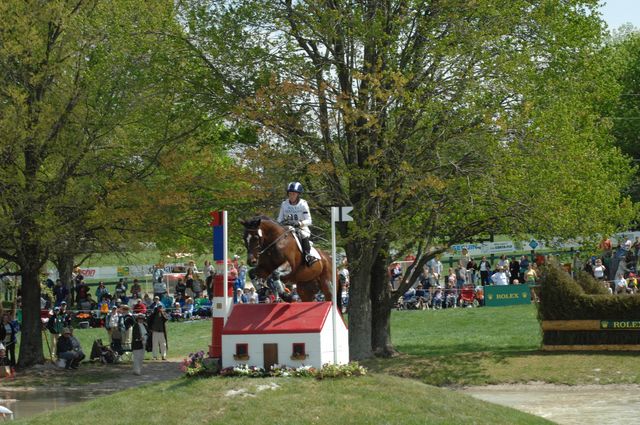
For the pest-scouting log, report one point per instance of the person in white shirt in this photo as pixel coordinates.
(436, 266)
(500, 277)
(294, 211)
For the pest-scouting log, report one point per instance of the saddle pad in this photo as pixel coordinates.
(313, 250)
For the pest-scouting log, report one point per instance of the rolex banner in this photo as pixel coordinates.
(498, 296)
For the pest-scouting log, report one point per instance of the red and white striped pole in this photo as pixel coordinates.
(220, 304)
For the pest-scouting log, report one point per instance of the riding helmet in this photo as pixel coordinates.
(295, 187)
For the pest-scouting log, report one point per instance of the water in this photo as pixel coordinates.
(26, 403)
(567, 405)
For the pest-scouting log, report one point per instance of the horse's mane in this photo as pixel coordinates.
(255, 220)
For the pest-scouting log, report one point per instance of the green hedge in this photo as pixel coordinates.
(563, 298)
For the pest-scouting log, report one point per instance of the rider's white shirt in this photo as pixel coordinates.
(299, 212)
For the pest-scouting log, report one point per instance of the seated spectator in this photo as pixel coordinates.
(167, 301)
(139, 307)
(422, 296)
(253, 295)
(240, 297)
(136, 289)
(88, 303)
(146, 300)
(176, 313)
(450, 296)
(187, 309)
(437, 298)
(68, 349)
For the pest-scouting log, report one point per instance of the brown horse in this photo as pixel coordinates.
(270, 245)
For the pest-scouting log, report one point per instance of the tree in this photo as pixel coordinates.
(437, 121)
(87, 105)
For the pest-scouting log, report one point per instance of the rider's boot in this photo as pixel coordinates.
(306, 251)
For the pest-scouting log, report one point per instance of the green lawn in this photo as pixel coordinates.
(374, 399)
(446, 348)
(183, 338)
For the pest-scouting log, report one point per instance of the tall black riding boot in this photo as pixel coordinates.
(306, 251)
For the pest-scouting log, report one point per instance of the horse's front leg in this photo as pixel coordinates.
(259, 272)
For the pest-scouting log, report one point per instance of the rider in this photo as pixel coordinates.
(295, 211)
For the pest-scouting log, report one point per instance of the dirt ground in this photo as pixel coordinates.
(564, 404)
(93, 375)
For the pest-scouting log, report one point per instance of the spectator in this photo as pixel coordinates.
(68, 349)
(524, 266)
(240, 297)
(503, 262)
(121, 291)
(187, 309)
(472, 269)
(452, 279)
(461, 276)
(514, 270)
(209, 273)
(157, 325)
(64, 314)
(436, 267)
(253, 296)
(55, 326)
(146, 300)
(632, 283)
(188, 281)
(197, 288)
(620, 284)
(485, 271)
(156, 302)
(136, 289)
(396, 274)
(158, 273)
(139, 307)
(500, 277)
(138, 343)
(101, 291)
(181, 287)
(530, 276)
(5, 365)
(599, 270)
(159, 288)
(176, 313)
(111, 325)
(437, 298)
(8, 336)
(126, 322)
(60, 292)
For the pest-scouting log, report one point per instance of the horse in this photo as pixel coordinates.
(269, 245)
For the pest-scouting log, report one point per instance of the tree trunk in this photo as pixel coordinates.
(381, 304)
(31, 334)
(359, 304)
(64, 264)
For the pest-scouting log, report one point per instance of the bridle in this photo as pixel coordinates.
(258, 232)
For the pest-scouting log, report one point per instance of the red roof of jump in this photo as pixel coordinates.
(278, 318)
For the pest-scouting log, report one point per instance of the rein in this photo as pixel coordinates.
(286, 232)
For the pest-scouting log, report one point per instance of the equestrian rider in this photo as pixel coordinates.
(295, 211)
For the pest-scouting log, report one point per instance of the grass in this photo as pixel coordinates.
(183, 338)
(446, 348)
(378, 399)
(482, 346)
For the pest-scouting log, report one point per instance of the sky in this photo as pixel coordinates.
(618, 12)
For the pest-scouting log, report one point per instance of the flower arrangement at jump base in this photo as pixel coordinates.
(327, 371)
(194, 364)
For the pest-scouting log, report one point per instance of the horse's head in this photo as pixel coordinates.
(253, 239)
